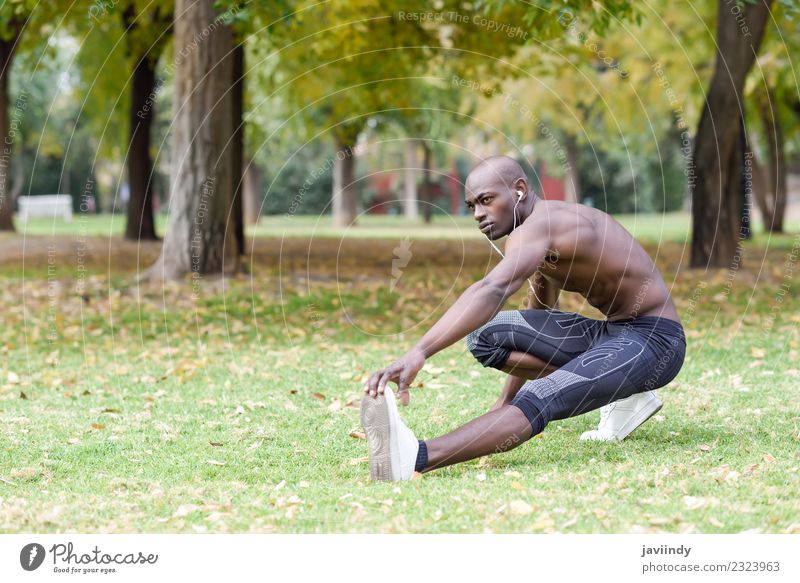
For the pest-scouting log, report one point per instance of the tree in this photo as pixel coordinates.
(147, 29)
(200, 237)
(771, 90)
(716, 197)
(14, 16)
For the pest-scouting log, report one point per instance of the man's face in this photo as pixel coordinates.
(492, 207)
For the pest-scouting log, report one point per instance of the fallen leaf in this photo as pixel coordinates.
(481, 477)
(215, 463)
(768, 458)
(318, 396)
(358, 434)
(520, 507)
(185, 510)
(705, 448)
(216, 443)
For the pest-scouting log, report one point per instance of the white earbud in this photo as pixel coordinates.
(520, 193)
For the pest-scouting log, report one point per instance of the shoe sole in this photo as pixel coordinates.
(375, 421)
(639, 419)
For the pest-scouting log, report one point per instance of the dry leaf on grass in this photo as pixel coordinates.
(520, 507)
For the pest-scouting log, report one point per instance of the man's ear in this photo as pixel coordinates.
(520, 186)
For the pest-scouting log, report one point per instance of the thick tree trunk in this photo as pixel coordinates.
(427, 192)
(237, 92)
(344, 186)
(200, 238)
(141, 222)
(776, 162)
(6, 140)
(716, 189)
(252, 193)
(410, 195)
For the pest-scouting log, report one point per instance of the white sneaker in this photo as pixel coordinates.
(392, 445)
(620, 418)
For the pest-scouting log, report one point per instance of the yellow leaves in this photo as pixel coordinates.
(215, 463)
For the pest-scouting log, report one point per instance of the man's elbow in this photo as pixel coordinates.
(500, 290)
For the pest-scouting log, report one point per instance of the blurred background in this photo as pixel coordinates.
(367, 115)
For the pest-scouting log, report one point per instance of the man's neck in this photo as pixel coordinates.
(527, 210)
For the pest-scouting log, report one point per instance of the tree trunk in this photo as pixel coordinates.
(762, 192)
(776, 161)
(410, 206)
(344, 187)
(6, 140)
(237, 145)
(573, 191)
(252, 193)
(200, 238)
(427, 193)
(716, 190)
(141, 222)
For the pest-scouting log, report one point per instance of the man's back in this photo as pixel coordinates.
(592, 254)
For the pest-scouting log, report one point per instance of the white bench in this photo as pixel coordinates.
(46, 205)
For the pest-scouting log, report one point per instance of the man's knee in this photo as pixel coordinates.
(483, 346)
(532, 406)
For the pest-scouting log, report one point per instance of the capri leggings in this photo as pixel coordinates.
(598, 361)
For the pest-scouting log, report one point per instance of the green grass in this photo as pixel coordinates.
(673, 227)
(150, 410)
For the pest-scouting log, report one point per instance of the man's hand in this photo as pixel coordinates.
(402, 372)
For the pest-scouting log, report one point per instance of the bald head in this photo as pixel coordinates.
(497, 196)
(497, 173)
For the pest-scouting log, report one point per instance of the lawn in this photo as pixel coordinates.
(233, 406)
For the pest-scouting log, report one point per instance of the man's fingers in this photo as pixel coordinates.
(385, 378)
(403, 395)
(372, 383)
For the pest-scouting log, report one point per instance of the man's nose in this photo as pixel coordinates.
(479, 213)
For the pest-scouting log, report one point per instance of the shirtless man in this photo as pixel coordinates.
(563, 364)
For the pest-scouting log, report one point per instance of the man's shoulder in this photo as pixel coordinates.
(555, 218)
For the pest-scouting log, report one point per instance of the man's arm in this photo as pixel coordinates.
(476, 306)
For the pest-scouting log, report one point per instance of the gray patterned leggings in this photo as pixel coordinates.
(599, 361)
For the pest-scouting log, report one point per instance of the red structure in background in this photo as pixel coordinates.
(387, 188)
(552, 188)
(383, 184)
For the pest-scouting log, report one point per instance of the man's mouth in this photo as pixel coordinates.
(485, 227)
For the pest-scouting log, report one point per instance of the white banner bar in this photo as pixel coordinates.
(400, 558)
